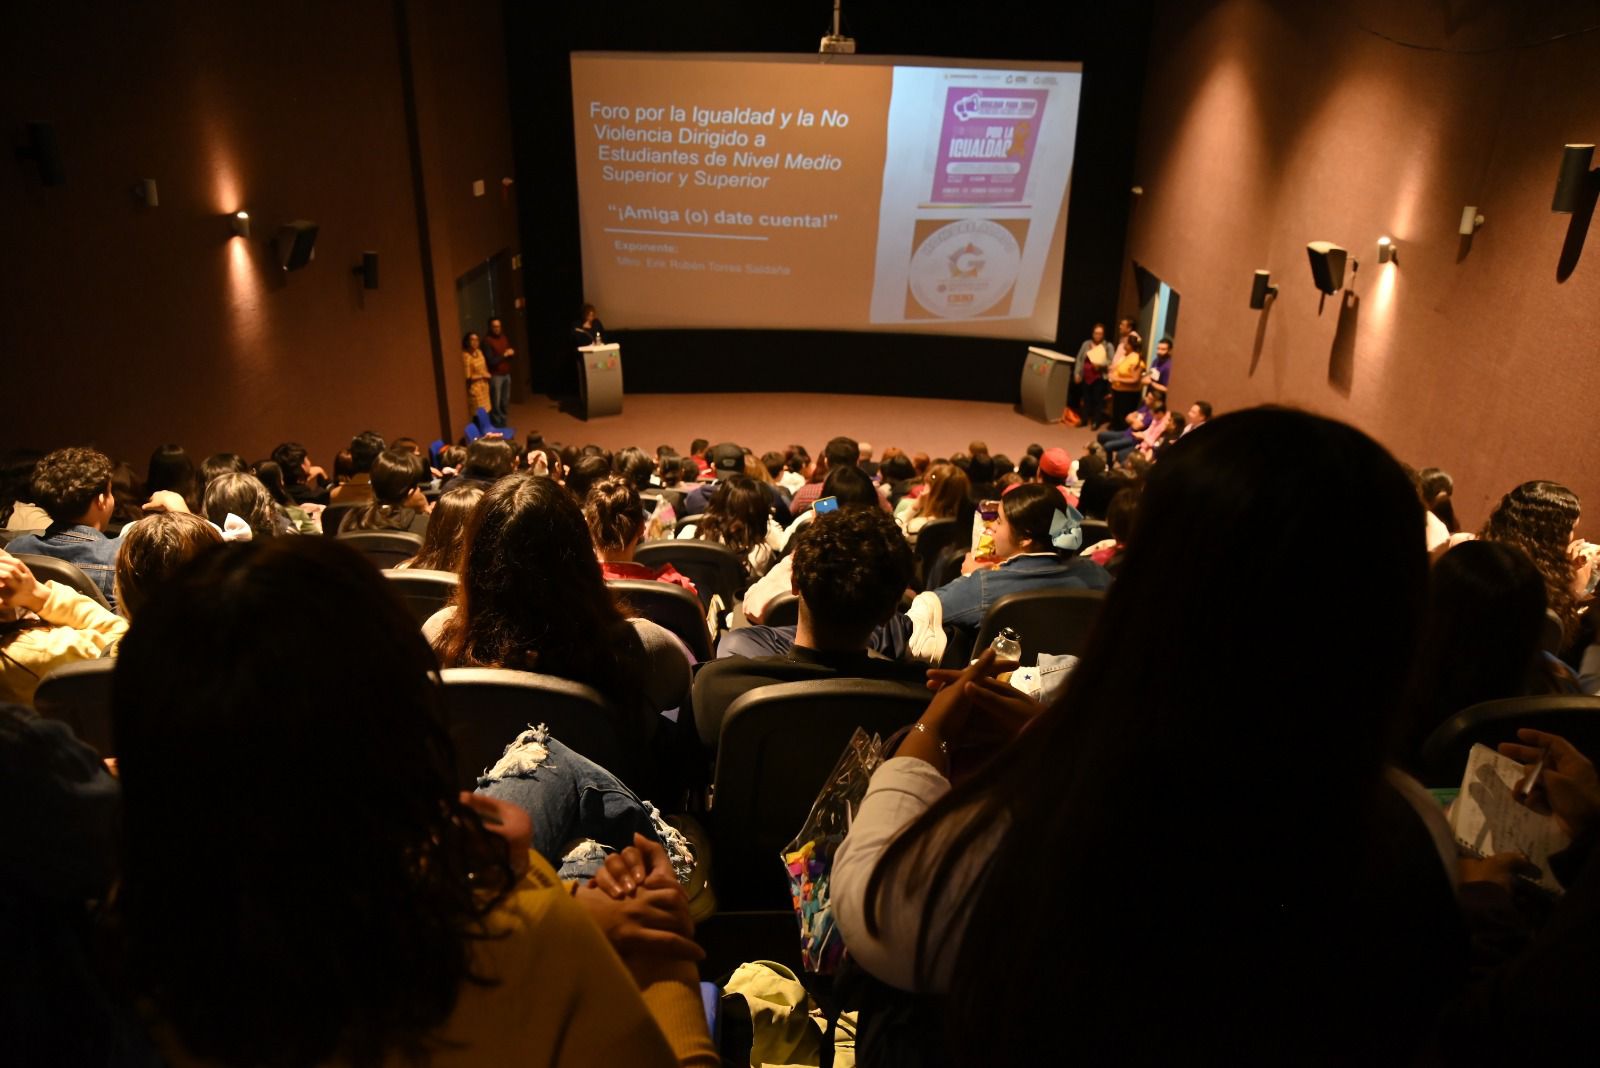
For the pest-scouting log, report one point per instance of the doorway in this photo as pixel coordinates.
(1158, 309)
(487, 292)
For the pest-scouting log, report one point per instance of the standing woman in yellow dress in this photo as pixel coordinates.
(477, 371)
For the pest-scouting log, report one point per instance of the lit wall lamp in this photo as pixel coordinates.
(1387, 252)
(1471, 219)
(1576, 181)
(240, 220)
(1261, 289)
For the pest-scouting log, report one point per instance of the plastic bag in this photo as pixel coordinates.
(809, 858)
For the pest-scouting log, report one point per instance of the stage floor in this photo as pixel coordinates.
(763, 421)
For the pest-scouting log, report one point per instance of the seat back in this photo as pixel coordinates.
(782, 611)
(1095, 531)
(669, 606)
(1049, 621)
(334, 514)
(79, 694)
(51, 569)
(933, 539)
(714, 569)
(1575, 718)
(777, 748)
(486, 708)
(424, 592)
(385, 548)
(946, 567)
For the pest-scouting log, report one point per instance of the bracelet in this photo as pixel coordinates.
(922, 728)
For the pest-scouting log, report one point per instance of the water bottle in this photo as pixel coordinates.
(1007, 645)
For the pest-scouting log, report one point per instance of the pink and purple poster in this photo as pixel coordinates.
(986, 145)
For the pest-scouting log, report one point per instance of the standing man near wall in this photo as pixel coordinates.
(498, 350)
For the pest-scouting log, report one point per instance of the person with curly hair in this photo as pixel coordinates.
(1541, 519)
(739, 516)
(73, 486)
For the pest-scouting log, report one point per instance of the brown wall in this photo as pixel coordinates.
(128, 326)
(1267, 126)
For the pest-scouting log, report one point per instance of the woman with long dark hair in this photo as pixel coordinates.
(271, 475)
(1196, 852)
(172, 469)
(339, 900)
(445, 541)
(532, 598)
(739, 516)
(1541, 519)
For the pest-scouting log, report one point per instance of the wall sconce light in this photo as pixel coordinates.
(146, 191)
(240, 221)
(1327, 265)
(1387, 252)
(1261, 289)
(1471, 219)
(1575, 178)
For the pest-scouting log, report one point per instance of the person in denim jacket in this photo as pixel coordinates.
(1035, 537)
(73, 485)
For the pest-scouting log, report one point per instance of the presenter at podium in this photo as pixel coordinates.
(588, 328)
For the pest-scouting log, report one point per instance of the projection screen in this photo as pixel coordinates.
(851, 193)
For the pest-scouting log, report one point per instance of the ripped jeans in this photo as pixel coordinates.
(579, 810)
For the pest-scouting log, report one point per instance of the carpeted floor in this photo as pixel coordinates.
(763, 421)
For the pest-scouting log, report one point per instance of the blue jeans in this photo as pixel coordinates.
(571, 801)
(499, 399)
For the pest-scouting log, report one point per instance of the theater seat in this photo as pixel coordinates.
(425, 592)
(782, 611)
(1049, 621)
(1094, 532)
(51, 569)
(79, 694)
(714, 569)
(385, 548)
(334, 514)
(669, 606)
(933, 539)
(1575, 718)
(486, 708)
(777, 748)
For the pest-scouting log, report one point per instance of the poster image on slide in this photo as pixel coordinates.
(986, 145)
(964, 268)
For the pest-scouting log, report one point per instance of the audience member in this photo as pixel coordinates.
(532, 597)
(1541, 519)
(128, 493)
(73, 486)
(727, 461)
(864, 459)
(1121, 515)
(739, 517)
(304, 482)
(487, 460)
(1055, 469)
(153, 549)
(397, 499)
(616, 520)
(247, 500)
(406, 928)
(443, 540)
(16, 474)
(218, 464)
(850, 568)
(588, 470)
(947, 497)
(934, 881)
(1199, 414)
(1437, 487)
(171, 469)
(897, 473)
(364, 450)
(44, 625)
(839, 452)
(271, 475)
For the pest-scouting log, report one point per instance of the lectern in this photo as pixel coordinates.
(1045, 377)
(600, 379)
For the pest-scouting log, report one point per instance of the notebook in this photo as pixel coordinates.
(1487, 818)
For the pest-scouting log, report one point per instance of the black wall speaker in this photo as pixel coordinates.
(1571, 184)
(368, 270)
(45, 153)
(1261, 289)
(297, 244)
(1327, 265)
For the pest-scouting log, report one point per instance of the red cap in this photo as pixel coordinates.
(1057, 463)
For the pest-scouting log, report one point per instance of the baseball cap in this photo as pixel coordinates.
(727, 459)
(1057, 463)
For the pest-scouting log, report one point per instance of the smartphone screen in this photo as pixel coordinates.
(825, 505)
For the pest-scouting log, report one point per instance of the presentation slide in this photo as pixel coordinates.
(837, 193)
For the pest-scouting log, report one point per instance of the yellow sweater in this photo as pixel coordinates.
(561, 997)
(79, 629)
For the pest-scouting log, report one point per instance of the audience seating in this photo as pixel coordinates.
(1575, 718)
(778, 745)
(669, 606)
(1095, 531)
(933, 539)
(714, 569)
(424, 592)
(50, 569)
(334, 514)
(782, 611)
(1049, 621)
(385, 548)
(486, 708)
(79, 694)
(946, 567)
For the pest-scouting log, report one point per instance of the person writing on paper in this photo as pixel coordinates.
(1181, 810)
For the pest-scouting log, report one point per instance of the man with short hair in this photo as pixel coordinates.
(73, 486)
(1199, 413)
(1160, 373)
(364, 449)
(302, 480)
(839, 452)
(498, 352)
(850, 568)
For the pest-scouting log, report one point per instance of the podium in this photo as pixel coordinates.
(1046, 375)
(600, 379)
